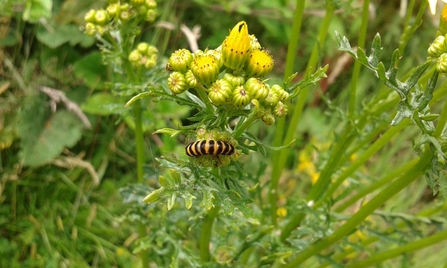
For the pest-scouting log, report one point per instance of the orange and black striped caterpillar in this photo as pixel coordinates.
(209, 147)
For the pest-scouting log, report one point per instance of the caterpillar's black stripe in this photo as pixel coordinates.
(209, 147)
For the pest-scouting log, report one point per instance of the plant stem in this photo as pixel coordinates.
(376, 146)
(139, 139)
(356, 219)
(410, 247)
(376, 185)
(205, 236)
(279, 158)
(246, 124)
(357, 65)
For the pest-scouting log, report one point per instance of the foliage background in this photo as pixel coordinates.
(60, 196)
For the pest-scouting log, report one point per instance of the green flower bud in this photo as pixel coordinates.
(101, 17)
(241, 97)
(143, 47)
(135, 57)
(280, 92)
(254, 43)
(234, 80)
(151, 15)
(124, 15)
(125, 7)
(177, 83)
(113, 10)
(441, 65)
(259, 63)
(137, 2)
(181, 60)
(220, 92)
(152, 50)
(100, 30)
(272, 99)
(236, 47)
(190, 79)
(268, 119)
(90, 16)
(142, 10)
(280, 109)
(151, 4)
(437, 47)
(90, 29)
(149, 64)
(258, 89)
(205, 69)
(154, 196)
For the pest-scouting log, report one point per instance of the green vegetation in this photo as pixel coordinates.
(330, 118)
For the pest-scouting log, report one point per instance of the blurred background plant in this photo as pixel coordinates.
(356, 188)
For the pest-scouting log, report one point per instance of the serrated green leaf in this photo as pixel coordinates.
(344, 44)
(41, 144)
(402, 113)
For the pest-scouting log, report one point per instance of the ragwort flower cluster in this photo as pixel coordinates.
(118, 22)
(231, 75)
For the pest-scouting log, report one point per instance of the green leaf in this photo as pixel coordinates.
(36, 10)
(59, 35)
(170, 131)
(402, 113)
(140, 96)
(91, 70)
(41, 143)
(103, 103)
(361, 57)
(414, 78)
(344, 44)
(376, 50)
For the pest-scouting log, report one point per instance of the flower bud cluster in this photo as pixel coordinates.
(144, 55)
(230, 74)
(438, 52)
(116, 13)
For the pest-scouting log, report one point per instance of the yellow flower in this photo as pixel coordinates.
(259, 63)
(281, 212)
(236, 47)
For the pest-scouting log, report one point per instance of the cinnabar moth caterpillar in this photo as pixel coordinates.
(209, 147)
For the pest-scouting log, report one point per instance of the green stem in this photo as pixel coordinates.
(202, 93)
(376, 185)
(357, 65)
(245, 125)
(139, 139)
(281, 157)
(396, 252)
(368, 241)
(356, 219)
(376, 146)
(144, 254)
(205, 236)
